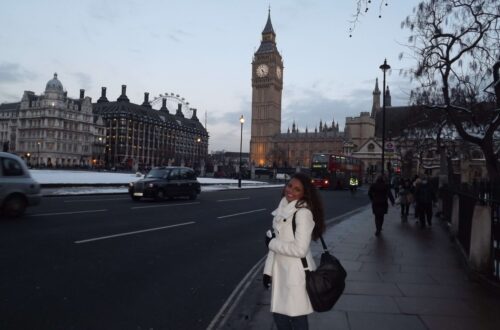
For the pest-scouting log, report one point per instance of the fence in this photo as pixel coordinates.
(479, 193)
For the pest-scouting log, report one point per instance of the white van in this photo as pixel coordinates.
(18, 189)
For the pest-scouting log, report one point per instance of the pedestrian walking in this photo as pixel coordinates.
(415, 182)
(283, 270)
(379, 193)
(395, 182)
(405, 199)
(424, 198)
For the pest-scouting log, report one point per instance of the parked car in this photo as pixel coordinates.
(18, 189)
(166, 182)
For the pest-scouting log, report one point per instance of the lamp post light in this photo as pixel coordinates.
(384, 67)
(38, 154)
(242, 120)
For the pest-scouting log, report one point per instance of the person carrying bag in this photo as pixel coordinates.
(283, 270)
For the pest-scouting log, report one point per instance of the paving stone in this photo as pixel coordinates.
(363, 276)
(371, 266)
(397, 277)
(370, 288)
(371, 321)
(435, 291)
(329, 320)
(456, 323)
(366, 303)
(434, 306)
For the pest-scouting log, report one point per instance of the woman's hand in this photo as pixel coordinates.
(269, 236)
(266, 280)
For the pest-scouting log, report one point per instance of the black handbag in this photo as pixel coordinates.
(326, 284)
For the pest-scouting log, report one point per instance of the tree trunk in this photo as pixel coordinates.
(491, 164)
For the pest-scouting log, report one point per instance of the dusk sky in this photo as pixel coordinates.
(202, 50)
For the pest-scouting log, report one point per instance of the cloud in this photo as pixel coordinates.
(14, 73)
(307, 106)
(9, 97)
(178, 35)
(83, 79)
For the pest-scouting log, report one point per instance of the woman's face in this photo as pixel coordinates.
(294, 190)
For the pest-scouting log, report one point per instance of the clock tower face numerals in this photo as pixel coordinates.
(262, 70)
(278, 72)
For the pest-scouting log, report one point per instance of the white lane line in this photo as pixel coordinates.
(133, 232)
(66, 213)
(236, 214)
(232, 301)
(233, 199)
(96, 200)
(161, 205)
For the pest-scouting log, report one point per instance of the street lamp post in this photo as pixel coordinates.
(384, 67)
(242, 120)
(38, 154)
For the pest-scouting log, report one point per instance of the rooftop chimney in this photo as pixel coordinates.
(103, 96)
(146, 101)
(82, 93)
(179, 111)
(164, 105)
(194, 114)
(123, 97)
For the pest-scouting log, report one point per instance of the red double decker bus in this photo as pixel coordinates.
(333, 171)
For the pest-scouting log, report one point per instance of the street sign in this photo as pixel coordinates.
(389, 146)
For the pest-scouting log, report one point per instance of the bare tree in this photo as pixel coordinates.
(362, 8)
(456, 44)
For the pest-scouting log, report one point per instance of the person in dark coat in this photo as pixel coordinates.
(424, 198)
(405, 198)
(379, 193)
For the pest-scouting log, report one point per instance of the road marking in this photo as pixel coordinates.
(66, 213)
(236, 214)
(96, 200)
(133, 232)
(226, 310)
(163, 205)
(233, 199)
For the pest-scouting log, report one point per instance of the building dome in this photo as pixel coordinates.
(54, 85)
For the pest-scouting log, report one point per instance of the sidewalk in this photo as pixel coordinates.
(408, 278)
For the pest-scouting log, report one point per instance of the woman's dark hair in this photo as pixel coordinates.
(313, 201)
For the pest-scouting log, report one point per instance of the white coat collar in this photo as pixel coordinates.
(285, 209)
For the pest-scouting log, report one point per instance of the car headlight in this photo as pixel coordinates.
(131, 184)
(151, 185)
(326, 181)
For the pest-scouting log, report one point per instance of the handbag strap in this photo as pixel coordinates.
(325, 248)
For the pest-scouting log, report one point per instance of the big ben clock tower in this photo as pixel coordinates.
(267, 86)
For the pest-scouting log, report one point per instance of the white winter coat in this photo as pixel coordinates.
(289, 295)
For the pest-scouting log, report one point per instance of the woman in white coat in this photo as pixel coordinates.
(290, 303)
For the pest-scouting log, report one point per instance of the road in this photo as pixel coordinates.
(106, 262)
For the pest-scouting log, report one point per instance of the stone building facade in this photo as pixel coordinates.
(51, 129)
(138, 136)
(268, 146)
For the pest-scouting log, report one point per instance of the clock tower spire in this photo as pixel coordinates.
(267, 86)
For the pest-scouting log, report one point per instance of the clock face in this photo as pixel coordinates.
(278, 72)
(262, 70)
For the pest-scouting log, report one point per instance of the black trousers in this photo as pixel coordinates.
(425, 213)
(379, 221)
(405, 209)
(285, 322)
